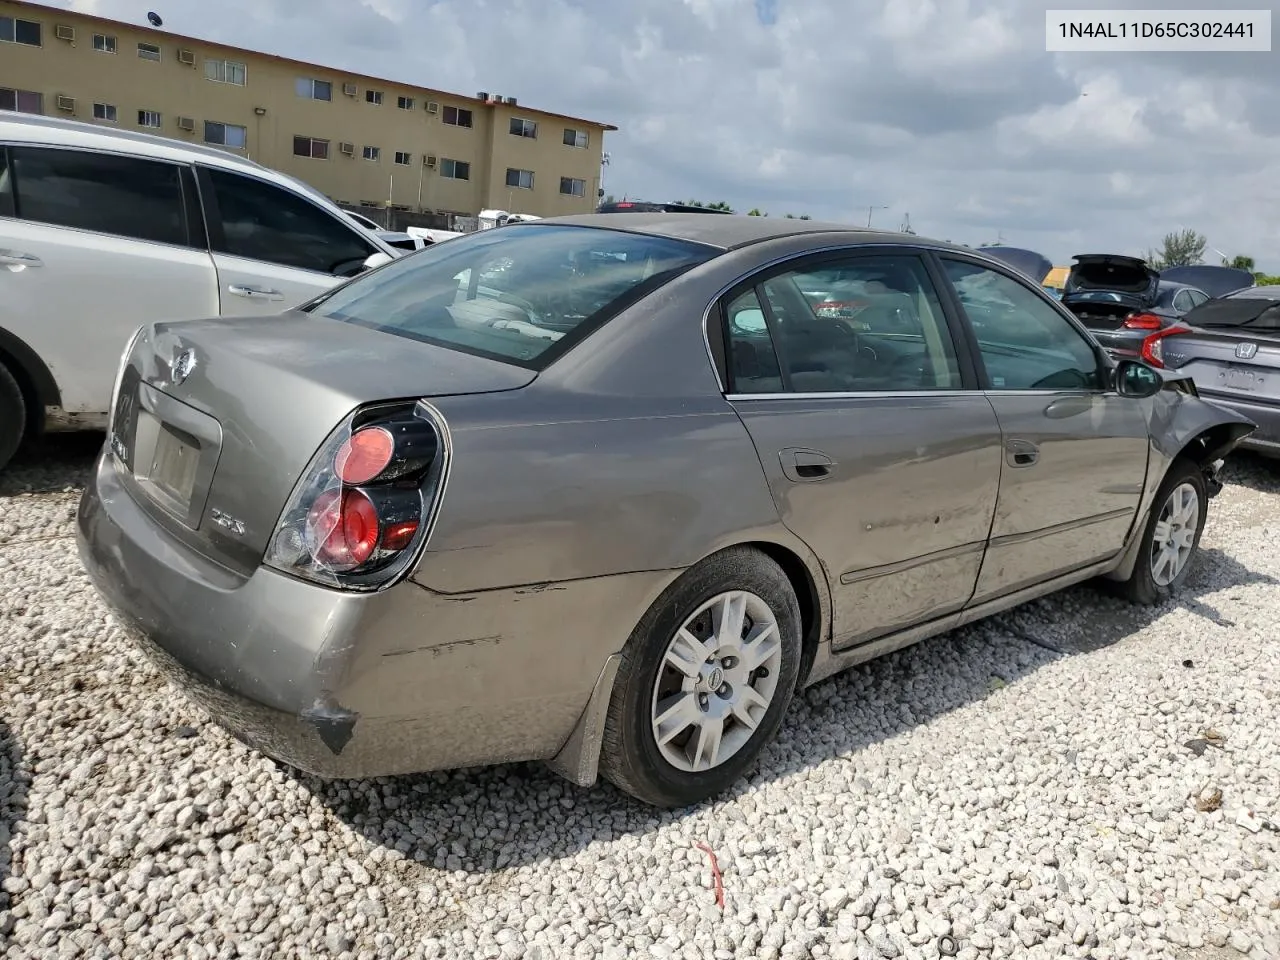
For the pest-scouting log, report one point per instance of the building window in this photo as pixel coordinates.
(224, 71)
(149, 51)
(524, 128)
(457, 117)
(104, 111)
(372, 153)
(573, 188)
(455, 169)
(404, 103)
(314, 89)
(403, 158)
(104, 43)
(374, 97)
(576, 138)
(311, 147)
(13, 30)
(225, 135)
(148, 118)
(22, 101)
(520, 178)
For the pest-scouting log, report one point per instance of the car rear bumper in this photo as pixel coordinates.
(1266, 438)
(350, 685)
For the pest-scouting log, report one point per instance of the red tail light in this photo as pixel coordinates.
(1143, 321)
(362, 507)
(1153, 351)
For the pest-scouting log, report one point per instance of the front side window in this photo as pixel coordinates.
(521, 179)
(573, 188)
(125, 196)
(6, 187)
(457, 117)
(1024, 342)
(520, 294)
(261, 221)
(225, 134)
(853, 325)
(17, 30)
(524, 128)
(22, 101)
(313, 89)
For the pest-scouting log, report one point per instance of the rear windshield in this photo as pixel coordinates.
(523, 294)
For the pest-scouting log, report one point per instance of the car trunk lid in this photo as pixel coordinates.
(1102, 289)
(215, 420)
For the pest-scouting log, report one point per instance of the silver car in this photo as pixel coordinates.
(605, 491)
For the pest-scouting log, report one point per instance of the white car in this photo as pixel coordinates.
(394, 238)
(102, 230)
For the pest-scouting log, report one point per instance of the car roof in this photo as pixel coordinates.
(731, 232)
(55, 131)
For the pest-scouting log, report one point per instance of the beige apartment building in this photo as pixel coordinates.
(357, 138)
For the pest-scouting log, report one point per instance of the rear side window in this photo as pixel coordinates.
(125, 196)
(6, 186)
(261, 221)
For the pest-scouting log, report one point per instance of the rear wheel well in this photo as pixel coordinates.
(806, 592)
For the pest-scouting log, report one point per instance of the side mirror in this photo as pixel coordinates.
(375, 260)
(1136, 379)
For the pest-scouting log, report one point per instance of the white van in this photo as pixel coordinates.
(102, 230)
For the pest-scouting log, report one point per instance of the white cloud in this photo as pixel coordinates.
(950, 110)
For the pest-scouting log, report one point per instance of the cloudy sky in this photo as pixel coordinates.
(949, 111)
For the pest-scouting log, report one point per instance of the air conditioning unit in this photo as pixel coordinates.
(66, 104)
(64, 31)
(348, 148)
(496, 98)
(429, 161)
(511, 101)
(482, 95)
(187, 124)
(349, 89)
(186, 57)
(433, 107)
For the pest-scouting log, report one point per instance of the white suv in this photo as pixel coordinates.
(103, 230)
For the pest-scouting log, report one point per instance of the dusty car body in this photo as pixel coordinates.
(604, 491)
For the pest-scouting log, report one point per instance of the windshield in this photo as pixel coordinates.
(522, 294)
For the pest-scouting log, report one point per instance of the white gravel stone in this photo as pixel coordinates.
(978, 786)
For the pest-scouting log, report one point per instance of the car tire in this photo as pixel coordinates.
(649, 686)
(13, 416)
(1145, 586)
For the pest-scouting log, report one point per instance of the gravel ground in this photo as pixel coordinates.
(1065, 780)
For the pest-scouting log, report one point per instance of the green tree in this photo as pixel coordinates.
(803, 216)
(1239, 262)
(718, 205)
(756, 212)
(1183, 248)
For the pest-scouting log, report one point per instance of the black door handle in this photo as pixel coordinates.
(803, 465)
(1021, 453)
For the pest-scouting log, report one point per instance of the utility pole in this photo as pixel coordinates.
(872, 209)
